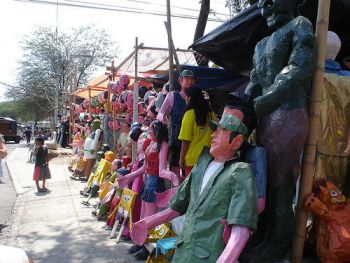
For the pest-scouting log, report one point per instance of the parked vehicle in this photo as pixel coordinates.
(8, 128)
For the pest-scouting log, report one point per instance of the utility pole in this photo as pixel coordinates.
(56, 99)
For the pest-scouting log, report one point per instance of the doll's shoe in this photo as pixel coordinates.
(41, 190)
(133, 249)
(142, 254)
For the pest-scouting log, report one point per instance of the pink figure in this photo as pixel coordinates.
(119, 86)
(115, 100)
(81, 108)
(124, 81)
(128, 117)
(114, 125)
(77, 140)
(151, 108)
(112, 86)
(154, 167)
(142, 145)
(86, 103)
(129, 100)
(126, 100)
(141, 109)
(140, 119)
(102, 98)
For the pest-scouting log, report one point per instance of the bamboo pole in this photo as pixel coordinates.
(166, 49)
(172, 46)
(71, 112)
(136, 97)
(171, 63)
(89, 106)
(310, 148)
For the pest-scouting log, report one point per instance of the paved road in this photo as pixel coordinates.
(7, 192)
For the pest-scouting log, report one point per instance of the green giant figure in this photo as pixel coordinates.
(280, 84)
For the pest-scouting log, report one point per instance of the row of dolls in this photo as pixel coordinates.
(145, 176)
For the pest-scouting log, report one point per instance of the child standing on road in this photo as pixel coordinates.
(3, 154)
(41, 170)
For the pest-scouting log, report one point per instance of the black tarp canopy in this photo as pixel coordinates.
(231, 45)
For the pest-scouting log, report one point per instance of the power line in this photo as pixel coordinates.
(163, 5)
(114, 9)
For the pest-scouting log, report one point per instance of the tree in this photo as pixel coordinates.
(236, 6)
(50, 57)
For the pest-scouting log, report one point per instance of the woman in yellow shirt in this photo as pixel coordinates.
(195, 133)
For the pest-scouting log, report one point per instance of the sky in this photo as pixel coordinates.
(19, 17)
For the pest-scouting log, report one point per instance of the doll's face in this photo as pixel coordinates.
(140, 143)
(152, 134)
(129, 101)
(221, 146)
(186, 82)
(124, 80)
(276, 12)
(219, 142)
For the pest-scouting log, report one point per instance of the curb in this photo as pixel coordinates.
(18, 188)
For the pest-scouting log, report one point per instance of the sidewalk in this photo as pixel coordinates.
(7, 198)
(55, 227)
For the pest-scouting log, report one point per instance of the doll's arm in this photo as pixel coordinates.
(166, 107)
(236, 243)
(140, 228)
(184, 148)
(261, 204)
(125, 180)
(316, 206)
(163, 172)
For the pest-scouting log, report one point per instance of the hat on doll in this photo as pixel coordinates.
(123, 171)
(187, 73)
(109, 156)
(230, 122)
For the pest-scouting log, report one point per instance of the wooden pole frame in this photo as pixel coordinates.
(135, 98)
(311, 146)
(171, 63)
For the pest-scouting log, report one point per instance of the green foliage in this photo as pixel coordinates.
(20, 110)
(236, 6)
(50, 58)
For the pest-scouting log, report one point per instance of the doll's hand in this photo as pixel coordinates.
(182, 163)
(139, 232)
(123, 182)
(171, 176)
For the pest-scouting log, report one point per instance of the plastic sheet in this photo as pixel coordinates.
(232, 44)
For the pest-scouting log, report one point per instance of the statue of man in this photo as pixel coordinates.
(280, 85)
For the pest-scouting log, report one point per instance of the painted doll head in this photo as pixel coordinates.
(277, 12)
